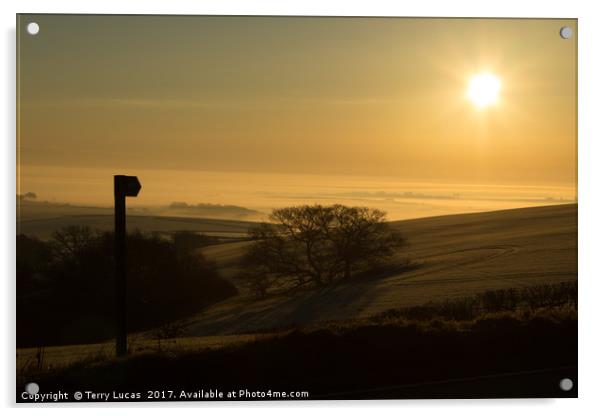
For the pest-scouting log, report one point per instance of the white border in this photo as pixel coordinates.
(590, 134)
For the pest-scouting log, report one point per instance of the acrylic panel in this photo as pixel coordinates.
(295, 208)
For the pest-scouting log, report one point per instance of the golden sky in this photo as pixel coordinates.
(338, 97)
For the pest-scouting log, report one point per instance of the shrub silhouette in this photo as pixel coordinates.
(33, 256)
(72, 299)
(318, 244)
(548, 296)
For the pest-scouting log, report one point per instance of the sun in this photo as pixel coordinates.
(483, 89)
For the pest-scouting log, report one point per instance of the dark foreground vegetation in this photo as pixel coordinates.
(529, 299)
(520, 351)
(65, 286)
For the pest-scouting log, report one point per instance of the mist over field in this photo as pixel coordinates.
(251, 196)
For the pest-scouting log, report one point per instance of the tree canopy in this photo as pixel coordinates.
(319, 244)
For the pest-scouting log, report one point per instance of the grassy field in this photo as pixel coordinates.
(41, 360)
(43, 224)
(455, 256)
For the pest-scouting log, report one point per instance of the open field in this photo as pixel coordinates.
(456, 255)
(43, 227)
(66, 355)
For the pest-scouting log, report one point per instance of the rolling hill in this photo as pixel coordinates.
(456, 255)
(43, 218)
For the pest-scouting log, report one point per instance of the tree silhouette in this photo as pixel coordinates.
(318, 244)
(66, 285)
(361, 235)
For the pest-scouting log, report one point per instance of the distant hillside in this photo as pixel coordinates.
(213, 211)
(43, 218)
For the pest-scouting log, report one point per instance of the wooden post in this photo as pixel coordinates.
(123, 186)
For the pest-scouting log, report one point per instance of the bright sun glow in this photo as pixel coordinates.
(483, 89)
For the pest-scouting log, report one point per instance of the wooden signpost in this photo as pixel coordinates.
(123, 186)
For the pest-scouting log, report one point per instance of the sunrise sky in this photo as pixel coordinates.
(262, 111)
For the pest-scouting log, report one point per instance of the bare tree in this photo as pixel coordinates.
(361, 235)
(318, 244)
(68, 241)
